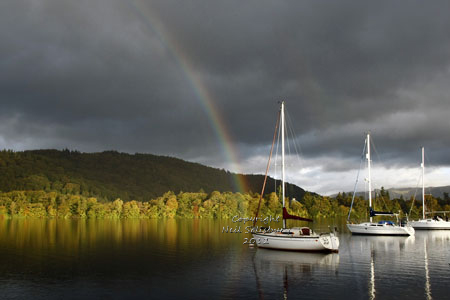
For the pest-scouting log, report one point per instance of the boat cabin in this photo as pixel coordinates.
(387, 223)
(302, 231)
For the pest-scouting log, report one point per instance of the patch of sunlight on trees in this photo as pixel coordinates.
(51, 204)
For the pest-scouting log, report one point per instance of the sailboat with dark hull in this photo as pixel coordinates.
(296, 238)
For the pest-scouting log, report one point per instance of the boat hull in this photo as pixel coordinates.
(380, 229)
(430, 224)
(314, 243)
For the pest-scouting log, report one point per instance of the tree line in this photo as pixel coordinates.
(70, 184)
(110, 175)
(224, 205)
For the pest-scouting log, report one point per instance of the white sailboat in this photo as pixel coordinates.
(437, 223)
(296, 238)
(382, 227)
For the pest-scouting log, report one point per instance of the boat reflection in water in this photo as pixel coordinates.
(276, 270)
(427, 272)
(382, 244)
(436, 238)
(411, 266)
(273, 259)
(380, 256)
(372, 278)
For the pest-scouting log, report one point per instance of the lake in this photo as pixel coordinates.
(133, 259)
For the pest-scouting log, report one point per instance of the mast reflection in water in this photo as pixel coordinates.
(133, 259)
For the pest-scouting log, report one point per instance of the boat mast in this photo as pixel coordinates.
(423, 182)
(370, 181)
(282, 158)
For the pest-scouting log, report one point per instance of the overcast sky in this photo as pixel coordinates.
(144, 76)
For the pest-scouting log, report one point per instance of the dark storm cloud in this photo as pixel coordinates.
(99, 74)
(91, 75)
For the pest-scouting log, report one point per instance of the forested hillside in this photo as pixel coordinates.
(110, 175)
(70, 184)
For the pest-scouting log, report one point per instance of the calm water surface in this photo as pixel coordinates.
(73, 259)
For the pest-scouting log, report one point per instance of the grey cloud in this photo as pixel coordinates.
(99, 74)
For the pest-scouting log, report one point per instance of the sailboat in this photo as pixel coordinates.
(382, 227)
(296, 238)
(427, 224)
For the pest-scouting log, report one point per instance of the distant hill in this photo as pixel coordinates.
(407, 193)
(109, 175)
(437, 192)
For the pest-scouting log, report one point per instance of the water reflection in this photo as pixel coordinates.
(273, 268)
(274, 259)
(435, 236)
(432, 240)
(385, 244)
(427, 273)
(51, 258)
(372, 278)
(74, 235)
(405, 265)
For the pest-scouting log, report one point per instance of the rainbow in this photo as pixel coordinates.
(154, 24)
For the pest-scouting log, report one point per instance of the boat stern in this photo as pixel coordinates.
(410, 230)
(330, 242)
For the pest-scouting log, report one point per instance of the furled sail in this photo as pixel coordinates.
(374, 213)
(286, 216)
